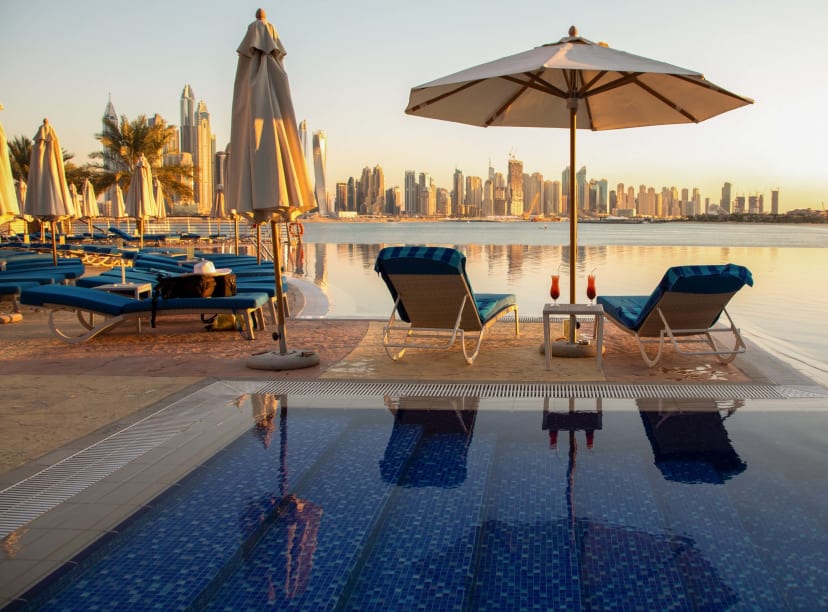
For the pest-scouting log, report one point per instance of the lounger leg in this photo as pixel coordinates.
(651, 361)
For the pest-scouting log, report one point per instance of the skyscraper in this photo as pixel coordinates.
(188, 122)
(410, 193)
(458, 194)
(205, 149)
(515, 187)
(303, 137)
(110, 117)
(581, 185)
(727, 197)
(775, 201)
(320, 156)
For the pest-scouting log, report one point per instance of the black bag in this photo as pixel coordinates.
(183, 286)
(225, 285)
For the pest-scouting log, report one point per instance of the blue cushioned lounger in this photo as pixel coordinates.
(432, 293)
(687, 302)
(87, 303)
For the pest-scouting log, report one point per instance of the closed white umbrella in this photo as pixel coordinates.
(90, 205)
(267, 179)
(139, 200)
(9, 207)
(573, 83)
(47, 196)
(160, 200)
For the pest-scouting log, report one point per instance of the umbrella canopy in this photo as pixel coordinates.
(160, 200)
(140, 201)
(9, 207)
(267, 179)
(117, 207)
(266, 168)
(90, 201)
(77, 203)
(47, 196)
(573, 83)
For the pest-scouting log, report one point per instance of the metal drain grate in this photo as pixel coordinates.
(530, 390)
(29, 498)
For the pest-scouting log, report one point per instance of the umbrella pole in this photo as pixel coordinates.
(258, 243)
(54, 241)
(140, 234)
(573, 215)
(236, 232)
(277, 275)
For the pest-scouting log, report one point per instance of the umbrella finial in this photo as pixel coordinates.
(45, 121)
(573, 31)
(261, 14)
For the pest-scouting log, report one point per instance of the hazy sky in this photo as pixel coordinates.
(352, 64)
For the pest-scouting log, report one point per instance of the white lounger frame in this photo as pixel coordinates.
(681, 308)
(426, 300)
(250, 317)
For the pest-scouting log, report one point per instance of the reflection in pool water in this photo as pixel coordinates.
(466, 503)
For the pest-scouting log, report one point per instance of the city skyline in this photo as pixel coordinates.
(352, 65)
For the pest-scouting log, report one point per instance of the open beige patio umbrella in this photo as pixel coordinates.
(140, 201)
(47, 196)
(9, 207)
(267, 180)
(573, 83)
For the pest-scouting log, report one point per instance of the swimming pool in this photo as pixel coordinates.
(464, 502)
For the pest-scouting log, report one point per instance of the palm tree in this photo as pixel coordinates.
(20, 154)
(124, 144)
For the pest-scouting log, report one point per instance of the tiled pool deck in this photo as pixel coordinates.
(134, 408)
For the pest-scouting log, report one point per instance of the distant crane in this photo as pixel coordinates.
(533, 208)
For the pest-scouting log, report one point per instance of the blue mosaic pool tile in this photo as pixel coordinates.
(171, 555)
(306, 559)
(786, 533)
(423, 554)
(721, 565)
(527, 558)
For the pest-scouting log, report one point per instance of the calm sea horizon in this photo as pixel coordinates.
(783, 312)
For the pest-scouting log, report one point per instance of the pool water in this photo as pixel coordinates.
(458, 503)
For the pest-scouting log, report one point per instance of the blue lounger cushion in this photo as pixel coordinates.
(119, 308)
(631, 311)
(433, 294)
(76, 297)
(428, 260)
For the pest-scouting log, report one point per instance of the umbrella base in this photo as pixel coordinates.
(291, 360)
(562, 348)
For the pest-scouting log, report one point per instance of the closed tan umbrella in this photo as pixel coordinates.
(90, 204)
(267, 180)
(140, 201)
(9, 208)
(47, 196)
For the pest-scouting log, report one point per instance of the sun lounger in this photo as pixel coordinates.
(686, 305)
(88, 304)
(432, 293)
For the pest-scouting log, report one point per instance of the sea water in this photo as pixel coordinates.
(784, 311)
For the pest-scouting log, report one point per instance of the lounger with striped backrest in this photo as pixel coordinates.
(432, 293)
(687, 303)
(113, 309)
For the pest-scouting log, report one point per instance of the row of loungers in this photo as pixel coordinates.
(34, 280)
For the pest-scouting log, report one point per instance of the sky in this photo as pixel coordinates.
(352, 64)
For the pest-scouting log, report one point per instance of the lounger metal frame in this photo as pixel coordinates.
(426, 298)
(685, 309)
(251, 317)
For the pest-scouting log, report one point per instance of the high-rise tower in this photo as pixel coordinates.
(110, 117)
(515, 187)
(320, 156)
(188, 120)
(203, 159)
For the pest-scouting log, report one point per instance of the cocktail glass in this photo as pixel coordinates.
(555, 289)
(591, 287)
